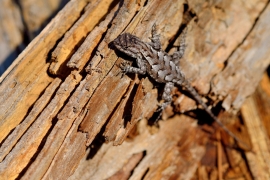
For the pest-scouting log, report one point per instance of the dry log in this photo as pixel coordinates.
(65, 104)
(256, 115)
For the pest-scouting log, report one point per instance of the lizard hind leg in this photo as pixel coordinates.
(176, 56)
(167, 97)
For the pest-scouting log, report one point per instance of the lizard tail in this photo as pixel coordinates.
(197, 97)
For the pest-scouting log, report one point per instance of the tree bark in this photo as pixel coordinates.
(68, 112)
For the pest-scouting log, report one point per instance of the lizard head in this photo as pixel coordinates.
(127, 43)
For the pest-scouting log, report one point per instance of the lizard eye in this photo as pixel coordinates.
(133, 40)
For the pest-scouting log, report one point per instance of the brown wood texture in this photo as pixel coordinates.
(67, 112)
(256, 115)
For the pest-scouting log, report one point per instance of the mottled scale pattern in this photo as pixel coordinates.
(161, 66)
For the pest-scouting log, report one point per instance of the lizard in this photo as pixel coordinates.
(162, 67)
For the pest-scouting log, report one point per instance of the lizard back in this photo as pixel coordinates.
(159, 64)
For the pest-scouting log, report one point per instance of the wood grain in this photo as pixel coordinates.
(67, 111)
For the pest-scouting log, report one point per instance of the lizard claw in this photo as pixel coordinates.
(123, 67)
(162, 106)
(160, 111)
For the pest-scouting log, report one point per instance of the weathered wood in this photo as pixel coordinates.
(90, 18)
(30, 141)
(22, 86)
(47, 124)
(22, 128)
(254, 119)
(171, 149)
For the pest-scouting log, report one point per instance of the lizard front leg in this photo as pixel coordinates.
(167, 97)
(130, 69)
